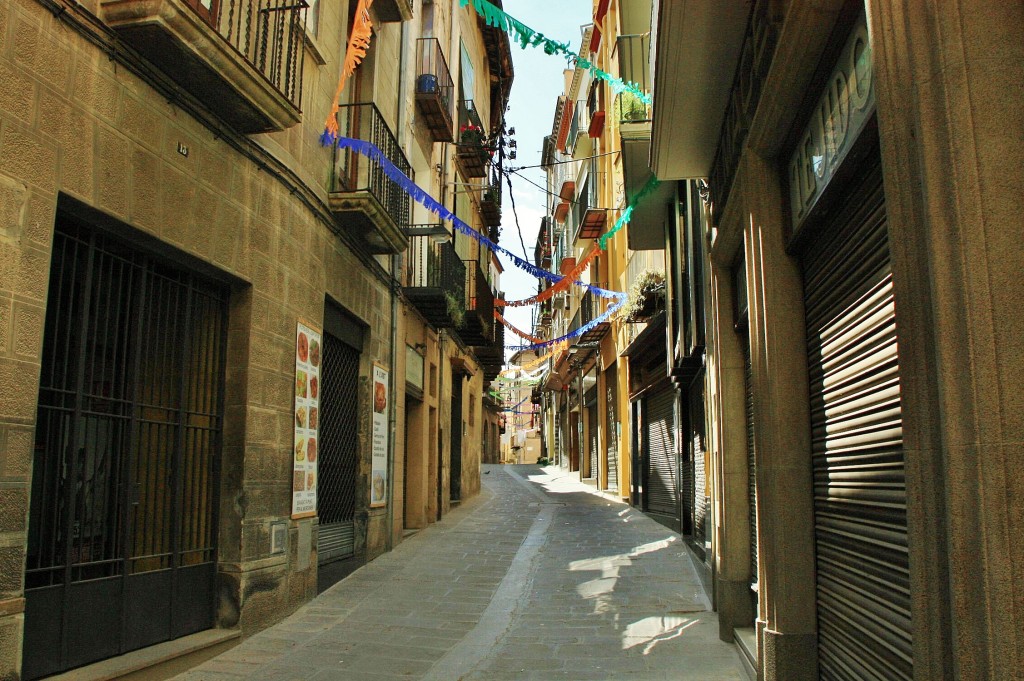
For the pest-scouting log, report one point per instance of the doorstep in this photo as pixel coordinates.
(152, 656)
(746, 642)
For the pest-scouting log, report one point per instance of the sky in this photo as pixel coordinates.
(538, 83)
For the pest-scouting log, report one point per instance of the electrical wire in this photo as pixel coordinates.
(572, 160)
(549, 193)
(512, 198)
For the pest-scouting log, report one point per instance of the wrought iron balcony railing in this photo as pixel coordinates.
(242, 58)
(472, 151)
(436, 279)
(374, 203)
(434, 89)
(490, 199)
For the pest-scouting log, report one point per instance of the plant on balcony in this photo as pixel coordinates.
(471, 135)
(631, 108)
(646, 296)
(456, 310)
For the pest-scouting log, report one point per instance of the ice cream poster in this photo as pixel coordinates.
(306, 420)
(379, 471)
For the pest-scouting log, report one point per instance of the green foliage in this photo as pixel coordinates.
(646, 295)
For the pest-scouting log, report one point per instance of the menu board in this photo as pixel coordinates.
(306, 420)
(379, 449)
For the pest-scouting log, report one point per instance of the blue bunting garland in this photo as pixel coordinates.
(370, 151)
(621, 299)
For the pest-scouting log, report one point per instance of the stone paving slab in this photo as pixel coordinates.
(539, 578)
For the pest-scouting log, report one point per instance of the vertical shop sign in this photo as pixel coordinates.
(379, 471)
(307, 417)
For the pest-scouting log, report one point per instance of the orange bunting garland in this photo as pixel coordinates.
(521, 334)
(560, 285)
(358, 44)
(555, 349)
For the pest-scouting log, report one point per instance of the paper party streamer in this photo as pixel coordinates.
(526, 36)
(521, 334)
(358, 44)
(421, 197)
(561, 285)
(612, 309)
(645, 191)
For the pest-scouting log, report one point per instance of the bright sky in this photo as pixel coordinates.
(535, 90)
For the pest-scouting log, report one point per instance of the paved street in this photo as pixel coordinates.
(537, 578)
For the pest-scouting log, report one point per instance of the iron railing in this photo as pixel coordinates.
(354, 172)
(469, 121)
(433, 76)
(634, 67)
(268, 33)
(479, 297)
(436, 265)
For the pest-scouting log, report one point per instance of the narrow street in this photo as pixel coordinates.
(537, 578)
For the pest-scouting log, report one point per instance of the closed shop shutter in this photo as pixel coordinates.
(592, 427)
(859, 487)
(612, 449)
(748, 409)
(659, 453)
(698, 450)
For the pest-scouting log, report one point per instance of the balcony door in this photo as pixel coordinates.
(207, 9)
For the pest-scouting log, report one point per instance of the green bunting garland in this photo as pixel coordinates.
(527, 37)
(627, 214)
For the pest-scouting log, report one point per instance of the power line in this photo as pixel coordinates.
(546, 191)
(572, 160)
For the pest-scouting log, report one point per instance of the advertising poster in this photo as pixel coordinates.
(381, 404)
(306, 420)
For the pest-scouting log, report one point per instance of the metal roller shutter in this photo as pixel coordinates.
(612, 450)
(748, 404)
(697, 450)
(863, 593)
(592, 430)
(659, 450)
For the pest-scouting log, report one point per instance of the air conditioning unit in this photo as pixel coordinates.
(560, 301)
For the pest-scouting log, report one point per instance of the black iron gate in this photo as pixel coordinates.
(339, 451)
(455, 475)
(122, 518)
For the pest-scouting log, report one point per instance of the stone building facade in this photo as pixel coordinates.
(167, 217)
(861, 381)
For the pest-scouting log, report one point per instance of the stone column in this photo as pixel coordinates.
(785, 512)
(727, 439)
(949, 79)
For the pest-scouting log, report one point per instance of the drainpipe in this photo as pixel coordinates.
(394, 283)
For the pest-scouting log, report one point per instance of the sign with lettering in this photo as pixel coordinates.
(379, 437)
(839, 117)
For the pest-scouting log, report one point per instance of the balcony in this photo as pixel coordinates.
(579, 144)
(241, 58)
(588, 221)
(588, 311)
(393, 10)
(434, 89)
(363, 199)
(542, 249)
(472, 154)
(436, 278)
(478, 328)
(492, 355)
(490, 200)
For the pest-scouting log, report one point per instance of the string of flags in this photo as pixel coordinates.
(359, 44)
(528, 37)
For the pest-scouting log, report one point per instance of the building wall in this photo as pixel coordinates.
(82, 130)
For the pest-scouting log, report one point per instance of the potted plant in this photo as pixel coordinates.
(471, 134)
(646, 296)
(426, 84)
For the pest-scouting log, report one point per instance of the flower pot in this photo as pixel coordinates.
(426, 84)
